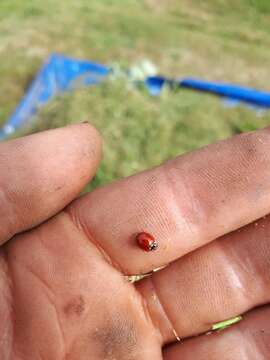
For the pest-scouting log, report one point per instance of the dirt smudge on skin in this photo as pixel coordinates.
(75, 306)
(117, 339)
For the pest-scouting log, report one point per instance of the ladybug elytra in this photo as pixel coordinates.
(146, 241)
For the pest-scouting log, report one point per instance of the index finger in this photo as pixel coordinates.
(184, 204)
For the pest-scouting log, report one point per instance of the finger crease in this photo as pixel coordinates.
(156, 294)
(81, 226)
(7, 293)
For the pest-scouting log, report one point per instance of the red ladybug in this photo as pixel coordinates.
(146, 241)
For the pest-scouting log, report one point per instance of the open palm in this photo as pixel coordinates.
(64, 276)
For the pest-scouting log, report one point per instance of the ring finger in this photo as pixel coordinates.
(217, 282)
(248, 339)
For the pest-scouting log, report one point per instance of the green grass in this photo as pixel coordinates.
(218, 40)
(226, 323)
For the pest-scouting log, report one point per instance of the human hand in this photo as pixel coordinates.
(65, 293)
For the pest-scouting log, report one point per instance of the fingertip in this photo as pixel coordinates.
(85, 147)
(92, 136)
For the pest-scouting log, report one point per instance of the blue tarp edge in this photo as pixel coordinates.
(60, 74)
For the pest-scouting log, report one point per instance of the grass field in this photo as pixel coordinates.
(214, 39)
